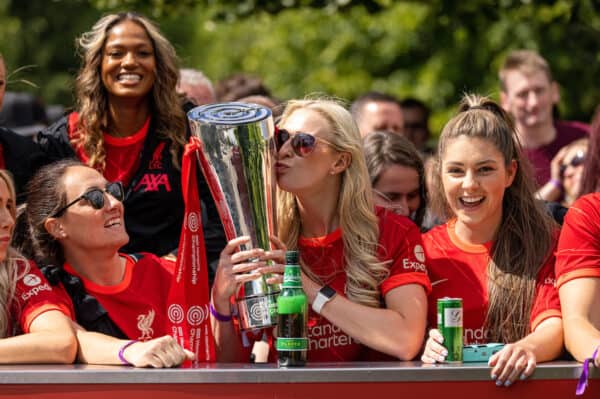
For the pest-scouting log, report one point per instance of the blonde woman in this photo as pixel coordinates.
(364, 269)
(34, 327)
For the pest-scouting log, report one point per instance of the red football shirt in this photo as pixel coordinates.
(122, 153)
(34, 296)
(578, 252)
(400, 242)
(138, 304)
(459, 270)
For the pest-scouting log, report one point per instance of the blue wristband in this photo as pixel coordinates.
(219, 316)
(122, 350)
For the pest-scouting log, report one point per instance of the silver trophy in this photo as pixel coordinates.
(237, 160)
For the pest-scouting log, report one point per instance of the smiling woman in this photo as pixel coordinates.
(485, 254)
(130, 124)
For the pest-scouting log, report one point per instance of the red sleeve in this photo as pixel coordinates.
(36, 296)
(400, 242)
(546, 303)
(578, 252)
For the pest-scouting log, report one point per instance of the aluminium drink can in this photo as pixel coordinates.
(450, 325)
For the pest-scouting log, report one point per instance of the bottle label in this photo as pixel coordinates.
(291, 344)
(292, 276)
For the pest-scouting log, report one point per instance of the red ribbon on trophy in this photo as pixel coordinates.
(188, 303)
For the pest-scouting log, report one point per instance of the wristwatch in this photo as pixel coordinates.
(325, 294)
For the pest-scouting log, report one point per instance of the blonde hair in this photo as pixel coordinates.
(358, 222)
(513, 266)
(92, 99)
(9, 269)
(525, 61)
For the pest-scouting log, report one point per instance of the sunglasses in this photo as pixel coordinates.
(577, 160)
(303, 144)
(95, 197)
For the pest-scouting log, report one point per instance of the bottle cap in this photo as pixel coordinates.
(291, 257)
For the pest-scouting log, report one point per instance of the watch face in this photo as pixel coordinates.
(327, 291)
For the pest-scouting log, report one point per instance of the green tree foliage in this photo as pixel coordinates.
(433, 50)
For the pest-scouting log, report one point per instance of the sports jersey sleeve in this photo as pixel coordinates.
(546, 303)
(401, 241)
(35, 297)
(578, 252)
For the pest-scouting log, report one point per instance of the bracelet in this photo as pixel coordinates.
(219, 316)
(583, 379)
(556, 183)
(122, 350)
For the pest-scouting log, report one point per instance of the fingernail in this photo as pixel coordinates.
(494, 376)
(445, 353)
(523, 376)
(507, 383)
(498, 383)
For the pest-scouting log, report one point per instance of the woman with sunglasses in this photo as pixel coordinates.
(130, 124)
(75, 227)
(364, 270)
(34, 327)
(485, 253)
(397, 174)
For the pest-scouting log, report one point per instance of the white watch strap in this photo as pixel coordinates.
(319, 302)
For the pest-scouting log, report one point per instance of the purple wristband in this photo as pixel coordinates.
(556, 183)
(583, 379)
(217, 315)
(122, 350)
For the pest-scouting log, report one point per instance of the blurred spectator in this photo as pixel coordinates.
(196, 87)
(397, 174)
(377, 111)
(265, 101)
(591, 167)
(529, 93)
(24, 113)
(18, 154)
(571, 170)
(239, 86)
(416, 123)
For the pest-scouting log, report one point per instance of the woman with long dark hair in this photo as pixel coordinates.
(496, 249)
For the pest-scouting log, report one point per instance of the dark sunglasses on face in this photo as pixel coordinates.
(302, 143)
(95, 196)
(577, 160)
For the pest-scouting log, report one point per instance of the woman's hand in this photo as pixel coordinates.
(513, 362)
(158, 353)
(597, 360)
(434, 351)
(235, 268)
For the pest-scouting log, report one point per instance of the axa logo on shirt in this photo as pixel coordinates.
(152, 182)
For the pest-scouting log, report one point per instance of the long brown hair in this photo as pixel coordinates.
(513, 265)
(92, 100)
(385, 149)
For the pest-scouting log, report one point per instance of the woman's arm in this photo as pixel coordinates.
(396, 330)
(50, 340)
(580, 301)
(97, 348)
(518, 360)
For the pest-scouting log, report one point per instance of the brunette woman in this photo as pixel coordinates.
(496, 250)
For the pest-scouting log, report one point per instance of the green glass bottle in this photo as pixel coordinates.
(292, 318)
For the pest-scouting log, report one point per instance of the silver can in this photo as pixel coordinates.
(237, 161)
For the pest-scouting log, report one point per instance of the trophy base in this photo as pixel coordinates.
(258, 311)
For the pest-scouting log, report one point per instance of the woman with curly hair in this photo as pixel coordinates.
(130, 125)
(363, 267)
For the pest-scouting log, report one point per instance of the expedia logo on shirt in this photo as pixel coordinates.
(31, 280)
(416, 266)
(550, 281)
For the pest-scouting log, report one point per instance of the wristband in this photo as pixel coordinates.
(583, 379)
(556, 183)
(122, 350)
(219, 316)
